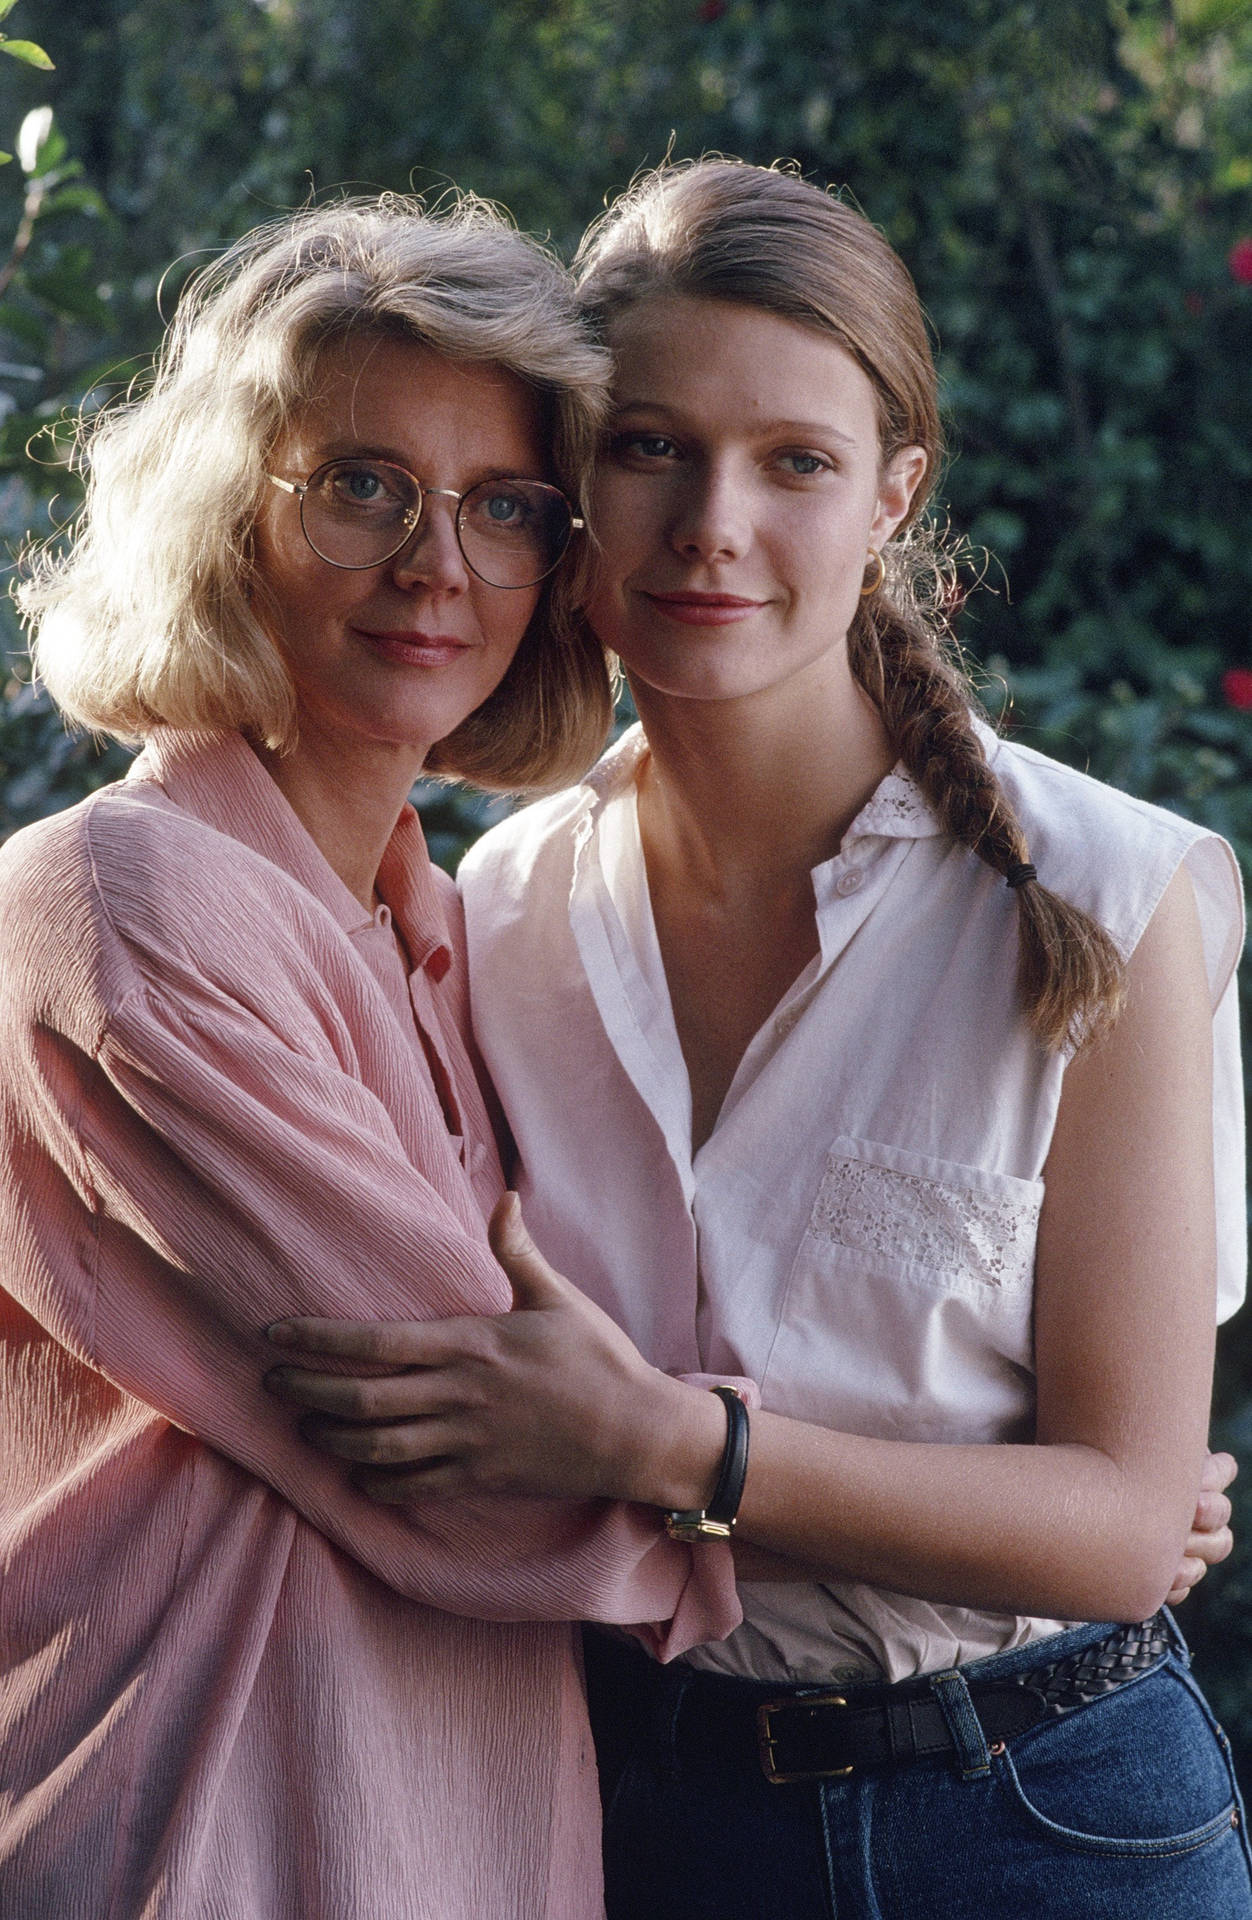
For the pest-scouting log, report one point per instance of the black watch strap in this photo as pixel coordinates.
(717, 1520)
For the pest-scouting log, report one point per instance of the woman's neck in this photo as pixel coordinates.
(734, 791)
(348, 796)
(738, 801)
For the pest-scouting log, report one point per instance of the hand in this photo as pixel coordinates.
(549, 1399)
(1210, 1539)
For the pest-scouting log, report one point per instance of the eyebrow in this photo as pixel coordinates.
(765, 429)
(360, 450)
(324, 450)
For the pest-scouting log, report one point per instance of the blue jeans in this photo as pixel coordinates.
(1124, 1809)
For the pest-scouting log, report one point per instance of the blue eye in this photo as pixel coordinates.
(805, 465)
(504, 508)
(362, 483)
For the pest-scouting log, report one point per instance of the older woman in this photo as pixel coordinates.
(236, 1081)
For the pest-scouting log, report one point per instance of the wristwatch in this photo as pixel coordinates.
(717, 1520)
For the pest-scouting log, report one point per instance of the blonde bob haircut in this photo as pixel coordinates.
(143, 619)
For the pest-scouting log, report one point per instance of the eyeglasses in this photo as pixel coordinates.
(359, 513)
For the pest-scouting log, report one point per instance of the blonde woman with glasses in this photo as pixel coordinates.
(854, 1050)
(320, 554)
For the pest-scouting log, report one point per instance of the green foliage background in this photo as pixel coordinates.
(1069, 181)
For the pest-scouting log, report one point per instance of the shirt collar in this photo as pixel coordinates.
(616, 768)
(217, 777)
(897, 809)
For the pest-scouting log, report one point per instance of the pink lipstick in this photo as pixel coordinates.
(703, 609)
(414, 649)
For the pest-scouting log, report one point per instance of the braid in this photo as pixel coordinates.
(1070, 974)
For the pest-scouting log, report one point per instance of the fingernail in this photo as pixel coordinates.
(281, 1333)
(275, 1381)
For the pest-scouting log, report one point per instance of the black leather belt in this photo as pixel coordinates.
(823, 1734)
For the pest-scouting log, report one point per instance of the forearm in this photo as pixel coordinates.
(1063, 1531)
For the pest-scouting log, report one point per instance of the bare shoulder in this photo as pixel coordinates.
(1130, 1171)
(1165, 1028)
(1172, 942)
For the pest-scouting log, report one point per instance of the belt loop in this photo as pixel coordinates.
(1174, 1634)
(672, 1683)
(972, 1754)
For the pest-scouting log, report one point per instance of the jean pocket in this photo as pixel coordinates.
(1141, 1773)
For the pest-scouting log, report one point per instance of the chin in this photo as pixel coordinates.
(705, 681)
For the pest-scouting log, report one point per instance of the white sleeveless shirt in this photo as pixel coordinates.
(857, 1234)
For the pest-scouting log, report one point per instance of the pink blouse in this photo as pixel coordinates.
(231, 1687)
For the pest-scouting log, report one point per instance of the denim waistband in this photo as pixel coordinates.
(661, 1689)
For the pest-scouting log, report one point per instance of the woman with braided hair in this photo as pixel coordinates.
(854, 1052)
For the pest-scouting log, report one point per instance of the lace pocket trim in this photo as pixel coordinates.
(875, 1209)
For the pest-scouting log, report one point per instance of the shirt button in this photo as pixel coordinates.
(786, 1021)
(849, 882)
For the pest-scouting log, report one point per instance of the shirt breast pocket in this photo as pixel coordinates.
(908, 1308)
(931, 1221)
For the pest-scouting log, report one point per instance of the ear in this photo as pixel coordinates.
(898, 482)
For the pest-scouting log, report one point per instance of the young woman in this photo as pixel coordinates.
(891, 1065)
(236, 1079)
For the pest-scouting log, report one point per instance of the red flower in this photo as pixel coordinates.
(712, 10)
(1237, 687)
(1240, 261)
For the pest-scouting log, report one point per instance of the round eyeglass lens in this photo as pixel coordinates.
(513, 532)
(358, 513)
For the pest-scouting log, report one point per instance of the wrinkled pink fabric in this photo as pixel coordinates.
(232, 1687)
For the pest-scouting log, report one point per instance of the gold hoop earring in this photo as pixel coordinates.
(879, 577)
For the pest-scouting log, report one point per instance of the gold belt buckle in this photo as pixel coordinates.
(766, 1741)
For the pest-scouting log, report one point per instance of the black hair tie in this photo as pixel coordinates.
(1017, 876)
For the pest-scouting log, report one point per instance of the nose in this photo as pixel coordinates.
(711, 520)
(432, 556)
